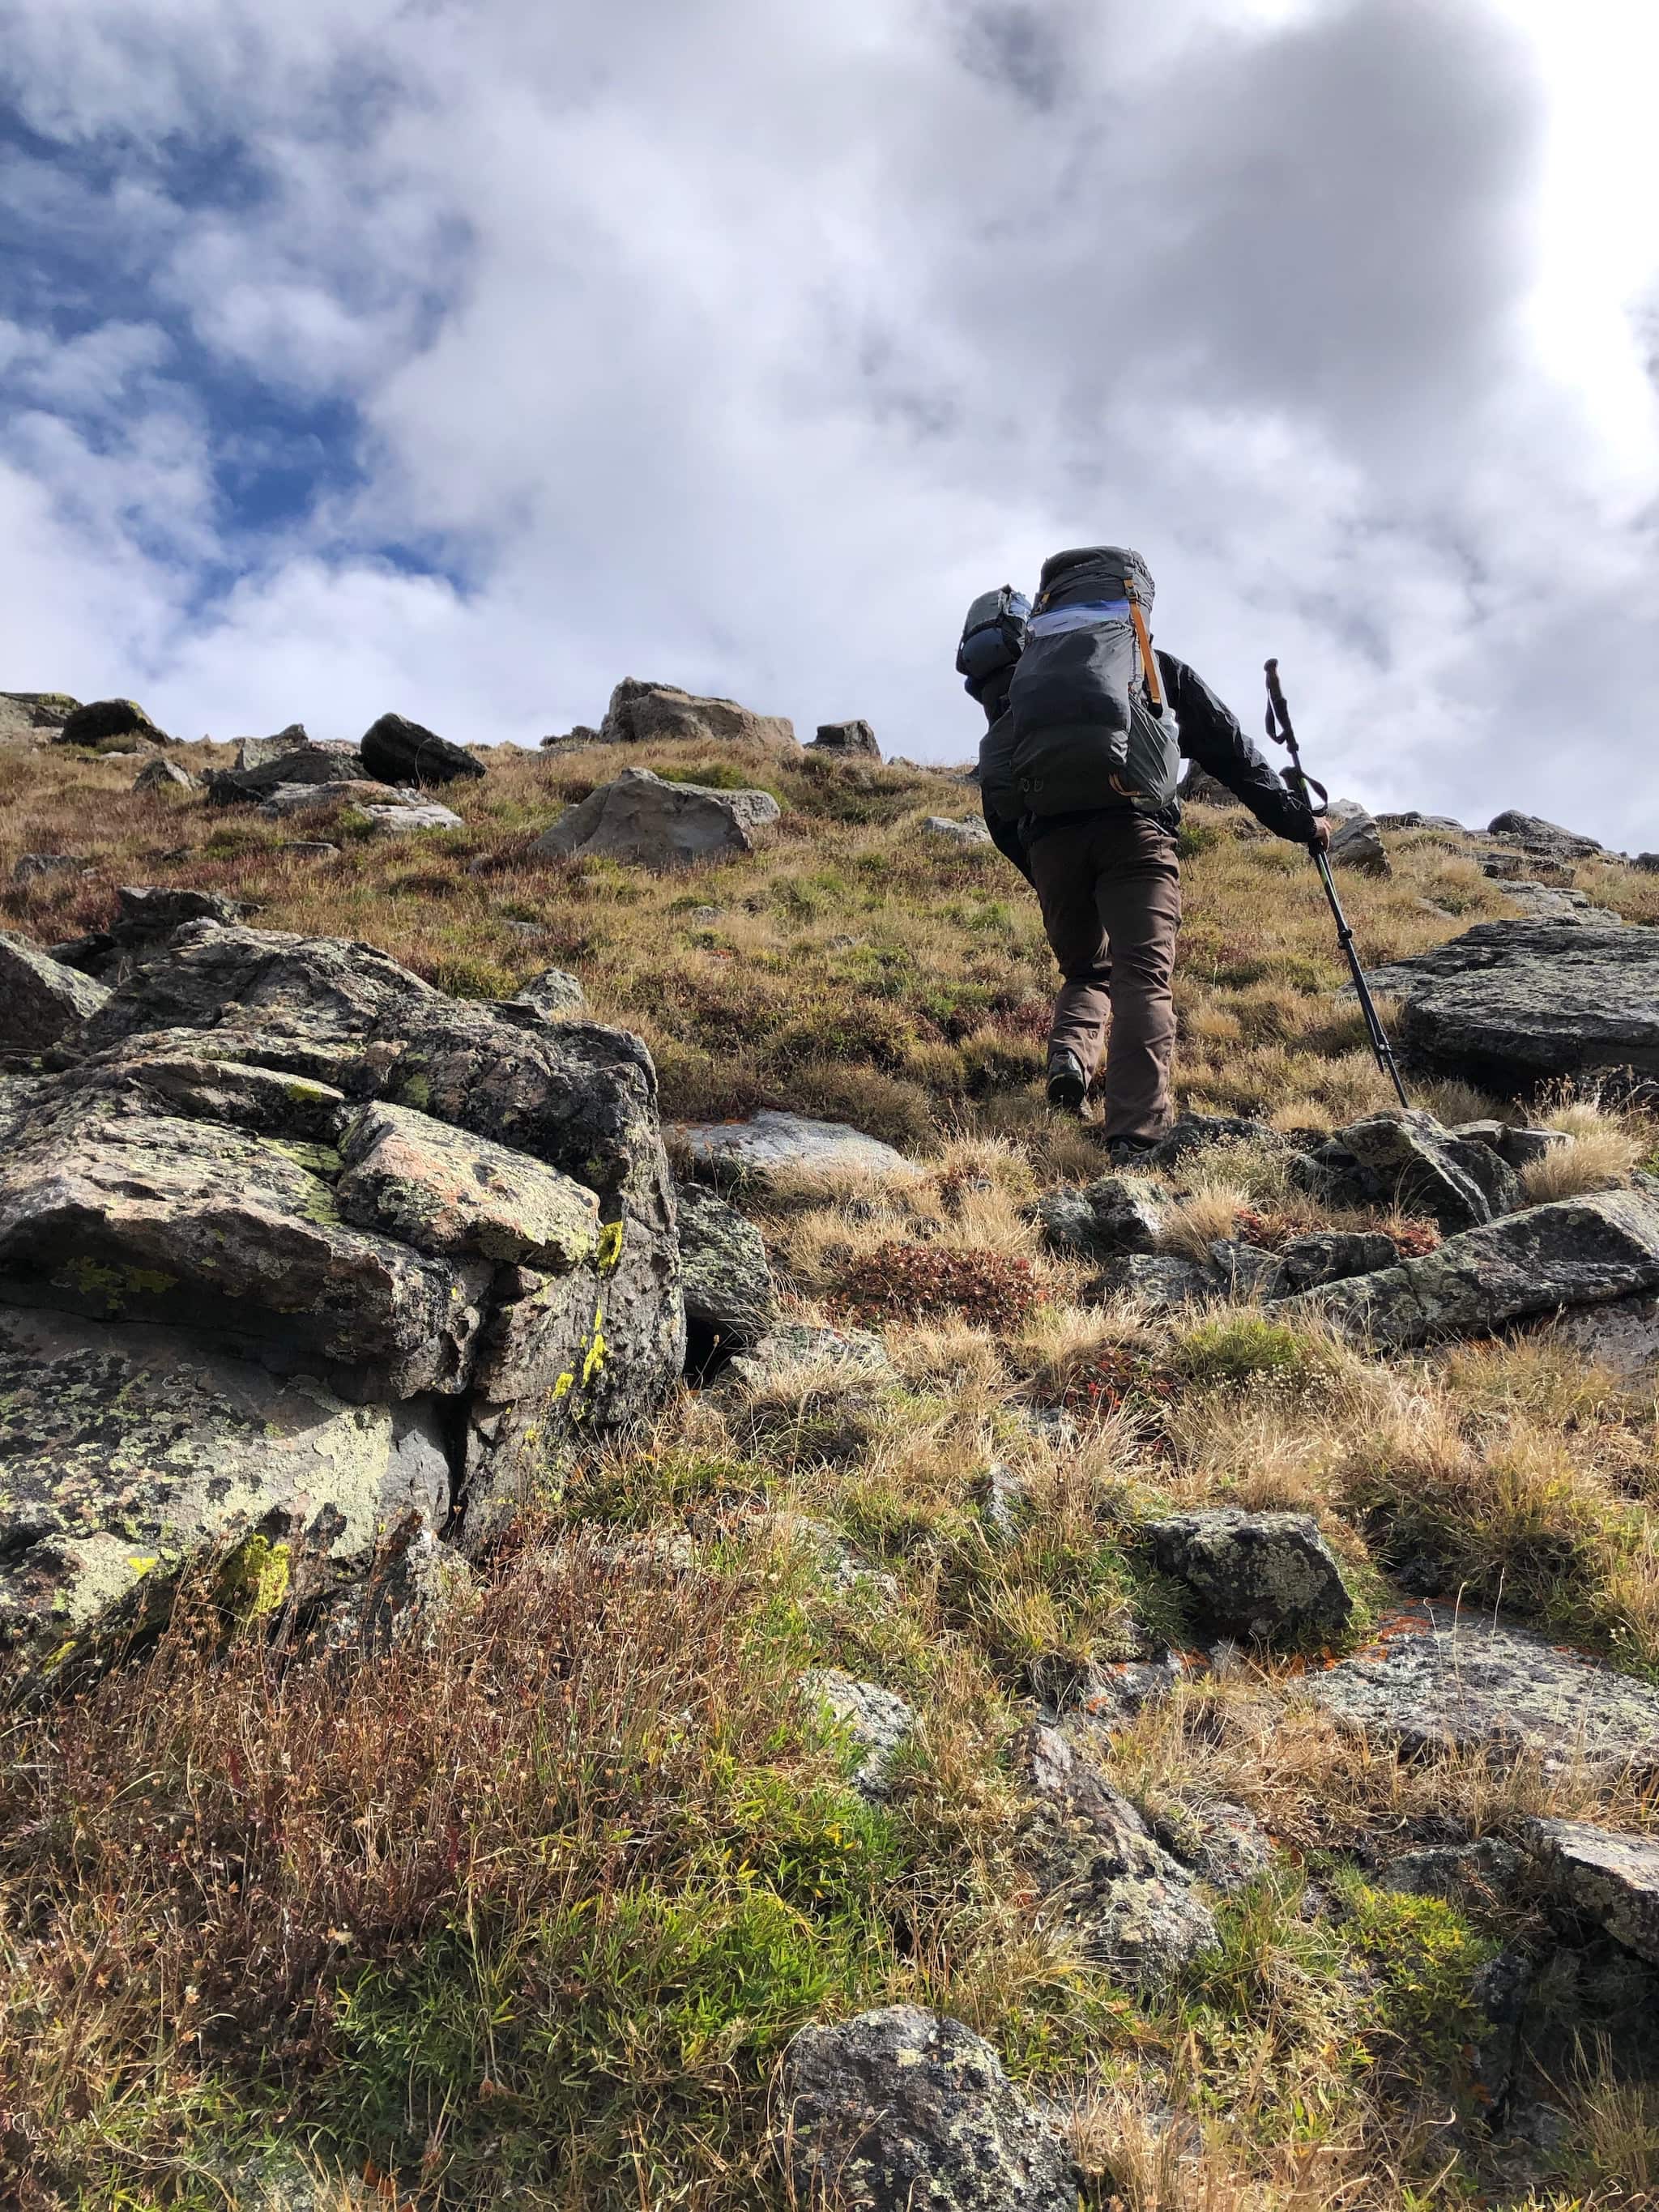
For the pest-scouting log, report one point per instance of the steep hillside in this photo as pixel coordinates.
(1198, 1630)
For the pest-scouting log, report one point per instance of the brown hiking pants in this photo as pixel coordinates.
(1110, 891)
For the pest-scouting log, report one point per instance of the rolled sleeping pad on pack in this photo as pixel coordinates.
(1087, 728)
(993, 637)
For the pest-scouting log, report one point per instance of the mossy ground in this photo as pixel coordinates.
(524, 1913)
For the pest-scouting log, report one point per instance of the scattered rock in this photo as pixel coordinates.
(1573, 1252)
(641, 817)
(1404, 1157)
(639, 713)
(1445, 1680)
(552, 996)
(898, 2110)
(860, 1352)
(31, 866)
(312, 848)
(163, 775)
(1415, 821)
(1269, 1576)
(1483, 1872)
(105, 722)
(1163, 1283)
(1623, 1335)
(1005, 1502)
(283, 800)
(855, 737)
(260, 752)
(579, 735)
(1611, 1878)
(1534, 834)
(1196, 1132)
(1356, 839)
(261, 781)
(1223, 1845)
(769, 1144)
(1245, 1271)
(1511, 1003)
(40, 998)
(397, 751)
(1520, 1147)
(1098, 1866)
(876, 1721)
(1559, 903)
(402, 820)
(969, 831)
(1114, 1215)
(1332, 1256)
(731, 1300)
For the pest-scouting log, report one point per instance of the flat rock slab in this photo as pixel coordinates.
(769, 1144)
(1511, 1002)
(41, 1000)
(949, 831)
(1438, 1681)
(901, 2111)
(1612, 1877)
(128, 1448)
(401, 820)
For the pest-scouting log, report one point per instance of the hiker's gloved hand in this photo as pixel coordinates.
(1321, 839)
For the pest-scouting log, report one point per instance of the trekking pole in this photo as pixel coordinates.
(1282, 733)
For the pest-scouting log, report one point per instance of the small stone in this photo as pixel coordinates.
(31, 866)
(1197, 1133)
(1245, 1271)
(731, 1300)
(1163, 1283)
(1333, 1256)
(552, 996)
(312, 848)
(1005, 1501)
(1623, 1335)
(860, 1352)
(876, 1721)
(1223, 1843)
(1269, 1576)
(970, 831)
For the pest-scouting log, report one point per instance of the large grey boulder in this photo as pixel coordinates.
(397, 751)
(129, 1450)
(1547, 839)
(1113, 1215)
(1509, 1004)
(1268, 1577)
(639, 713)
(259, 753)
(1611, 1878)
(40, 998)
(875, 1721)
(1574, 1252)
(1450, 1679)
(106, 724)
(1098, 1866)
(644, 818)
(32, 718)
(770, 1144)
(856, 739)
(731, 1300)
(900, 2111)
(306, 765)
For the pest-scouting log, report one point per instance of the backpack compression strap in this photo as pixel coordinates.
(1149, 665)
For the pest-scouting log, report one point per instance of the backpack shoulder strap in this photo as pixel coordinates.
(1149, 665)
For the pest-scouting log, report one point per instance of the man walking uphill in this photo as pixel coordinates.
(1083, 769)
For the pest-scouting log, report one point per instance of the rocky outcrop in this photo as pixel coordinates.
(1446, 1680)
(1574, 1252)
(1509, 1004)
(41, 998)
(1610, 1878)
(1547, 839)
(856, 739)
(1269, 1578)
(874, 1722)
(770, 1144)
(1404, 1157)
(639, 713)
(108, 724)
(293, 1154)
(396, 751)
(1096, 1866)
(146, 915)
(644, 818)
(731, 1300)
(32, 718)
(163, 775)
(898, 2110)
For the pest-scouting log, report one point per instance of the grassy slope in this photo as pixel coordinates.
(526, 1915)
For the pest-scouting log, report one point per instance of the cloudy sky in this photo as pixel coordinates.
(461, 356)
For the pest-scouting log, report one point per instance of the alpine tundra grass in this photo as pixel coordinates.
(526, 1911)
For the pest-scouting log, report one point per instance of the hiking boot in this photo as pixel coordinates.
(1068, 1086)
(1128, 1151)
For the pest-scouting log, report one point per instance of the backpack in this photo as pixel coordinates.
(1090, 726)
(992, 638)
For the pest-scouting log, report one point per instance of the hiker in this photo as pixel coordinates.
(1078, 770)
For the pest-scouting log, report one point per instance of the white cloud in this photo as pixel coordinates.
(740, 345)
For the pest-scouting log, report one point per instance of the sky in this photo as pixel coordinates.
(460, 357)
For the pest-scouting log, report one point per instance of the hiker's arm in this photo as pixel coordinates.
(1210, 735)
(997, 795)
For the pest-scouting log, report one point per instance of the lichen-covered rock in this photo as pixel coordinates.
(1097, 1866)
(40, 998)
(731, 1300)
(770, 1144)
(901, 2111)
(1222, 1844)
(640, 712)
(1623, 1335)
(1404, 1158)
(1269, 1576)
(1611, 1878)
(1482, 1873)
(397, 751)
(460, 1196)
(104, 723)
(1449, 1679)
(1331, 1257)
(1509, 1004)
(1160, 1281)
(875, 1721)
(128, 1450)
(1573, 1252)
(163, 775)
(645, 819)
(1108, 1218)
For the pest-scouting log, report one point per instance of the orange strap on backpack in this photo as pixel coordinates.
(1148, 664)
